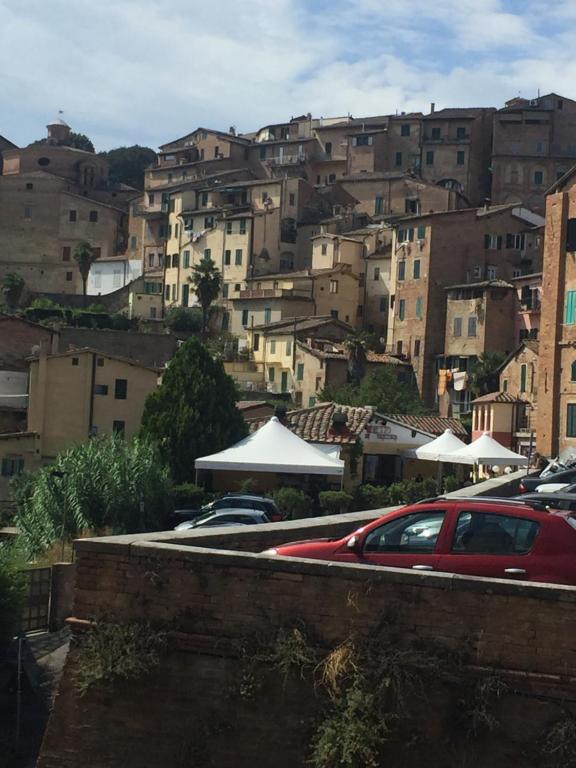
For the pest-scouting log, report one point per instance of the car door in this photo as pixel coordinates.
(408, 541)
(492, 544)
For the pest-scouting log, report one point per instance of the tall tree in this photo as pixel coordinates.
(484, 376)
(84, 256)
(12, 288)
(381, 388)
(207, 280)
(127, 164)
(193, 412)
(75, 140)
(356, 346)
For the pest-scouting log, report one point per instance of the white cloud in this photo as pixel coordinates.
(145, 71)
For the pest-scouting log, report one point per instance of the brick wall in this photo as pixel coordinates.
(215, 600)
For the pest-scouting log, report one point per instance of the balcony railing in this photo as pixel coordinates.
(273, 293)
(301, 157)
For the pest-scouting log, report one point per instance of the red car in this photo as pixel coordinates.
(494, 538)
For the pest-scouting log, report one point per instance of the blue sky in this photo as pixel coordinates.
(147, 71)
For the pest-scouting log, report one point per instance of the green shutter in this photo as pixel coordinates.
(570, 313)
(300, 371)
(571, 420)
(523, 371)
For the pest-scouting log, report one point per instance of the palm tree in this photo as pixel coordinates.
(207, 281)
(84, 256)
(484, 376)
(356, 345)
(12, 288)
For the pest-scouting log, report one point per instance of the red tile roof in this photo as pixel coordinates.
(315, 424)
(433, 425)
(498, 397)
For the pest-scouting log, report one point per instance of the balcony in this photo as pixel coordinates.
(274, 293)
(301, 157)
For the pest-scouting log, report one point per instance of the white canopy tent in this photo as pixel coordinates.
(439, 448)
(486, 450)
(273, 448)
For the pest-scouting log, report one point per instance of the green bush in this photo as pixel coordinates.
(182, 319)
(451, 484)
(370, 497)
(294, 504)
(12, 588)
(189, 494)
(335, 502)
(120, 322)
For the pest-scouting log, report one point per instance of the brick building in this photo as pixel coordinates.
(430, 253)
(534, 145)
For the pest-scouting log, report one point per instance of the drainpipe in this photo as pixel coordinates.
(92, 384)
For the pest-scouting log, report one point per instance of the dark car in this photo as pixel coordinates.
(558, 500)
(529, 483)
(496, 538)
(231, 501)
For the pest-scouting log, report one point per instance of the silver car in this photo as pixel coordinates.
(224, 517)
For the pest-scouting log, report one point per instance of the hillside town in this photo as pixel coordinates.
(215, 366)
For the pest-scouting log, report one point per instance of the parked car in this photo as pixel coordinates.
(530, 483)
(556, 500)
(497, 538)
(222, 517)
(244, 501)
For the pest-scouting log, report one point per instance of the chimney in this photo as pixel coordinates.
(280, 413)
(232, 130)
(339, 420)
(432, 107)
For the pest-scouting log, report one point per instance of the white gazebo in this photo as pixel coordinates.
(486, 450)
(273, 448)
(439, 448)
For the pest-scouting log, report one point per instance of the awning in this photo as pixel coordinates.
(486, 450)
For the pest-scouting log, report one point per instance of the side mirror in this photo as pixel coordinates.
(354, 543)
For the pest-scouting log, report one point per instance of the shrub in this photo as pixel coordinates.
(335, 502)
(120, 322)
(182, 319)
(12, 587)
(370, 497)
(450, 484)
(292, 502)
(189, 494)
(429, 487)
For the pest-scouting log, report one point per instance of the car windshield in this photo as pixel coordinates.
(201, 518)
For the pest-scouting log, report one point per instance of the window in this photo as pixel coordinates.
(334, 314)
(573, 371)
(493, 242)
(571, 235)
(225, 321)
(398, 159)
(204, 199)
(150, 198)
(93, 216)
(29, 185)
(43, 161)
(417, 532)
(238, 257)
(429, 158)
(417, 348)
(491, 272)
(401, 270)
(421, 232)
(505, 385)
(118, 428)
(175, 259)
(208, 222)
(120, 389)
(244, 318)
(242, 226)
(324, 249)
(472, 322)
(186, 259)
(571, 420)
(362, 141)
(262, 153)
(523, 377)
(66, 253)
(570, 310)
(416, 269)
(378, 204)
(228, 227)
(376, 273)
(460, 132)
(28, 213)
(402, 309)
(300, 371)
(383, 303)
(216, 151)
(207, 253)
(68, 277)
(101, 389)
(292, 199)
(12, 465)
(169, 231)
(405, 129)
(264, 196)
(267, 315)
(419, 307)
(538, 178)
(227, 257)
(333, 286)
(289, 347)
(75, 361)
(167, 292)
(271, 374)
(435, 133)
(457, 327)
(72, 215)
(481, 532)
(151, 259)
(186, 294)
(460, 157)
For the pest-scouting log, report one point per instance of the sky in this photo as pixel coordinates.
(147, 71)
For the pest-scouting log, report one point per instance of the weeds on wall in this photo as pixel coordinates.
(108, 652)
(558, 747)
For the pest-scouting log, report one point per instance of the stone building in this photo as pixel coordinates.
(455, 150)
(534, 145)
(430, 253)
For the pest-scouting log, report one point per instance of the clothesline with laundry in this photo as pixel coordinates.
(452, 376)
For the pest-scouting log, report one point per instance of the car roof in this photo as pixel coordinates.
(248, 496)
(519, 505)
(554, 495)
(238, 511)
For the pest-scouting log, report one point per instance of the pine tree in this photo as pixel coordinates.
(193, 412)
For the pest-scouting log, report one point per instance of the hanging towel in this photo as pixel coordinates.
(442, 380)
(460, 380)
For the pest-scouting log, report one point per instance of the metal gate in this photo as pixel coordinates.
(37, 604)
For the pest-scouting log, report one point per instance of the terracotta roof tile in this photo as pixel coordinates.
(433, 425)
(315, 424)
(498, 397)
